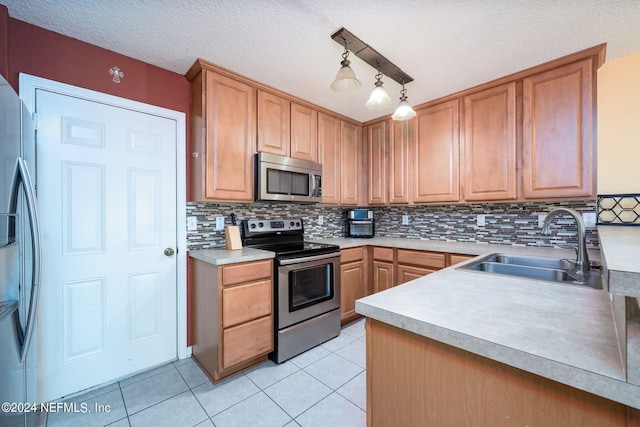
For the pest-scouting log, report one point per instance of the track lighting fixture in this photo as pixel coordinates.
(346, 80)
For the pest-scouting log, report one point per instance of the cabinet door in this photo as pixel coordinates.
(376, 135)
(400, 139)
(230, 122)
(274, 123)
(350, 159)
(407, 273)
(352, 287)
(489, 144)
(329, 156)
(304, 132)
(558, 148)
(383, 277)
(436, 155)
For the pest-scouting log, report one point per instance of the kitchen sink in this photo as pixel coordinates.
(537, 268)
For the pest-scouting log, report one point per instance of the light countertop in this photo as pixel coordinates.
(621, 246)
(562, 332)
(222, 256)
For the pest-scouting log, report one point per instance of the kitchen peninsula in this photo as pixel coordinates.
(459, 347)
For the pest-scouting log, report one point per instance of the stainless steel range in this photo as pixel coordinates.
(307, 285)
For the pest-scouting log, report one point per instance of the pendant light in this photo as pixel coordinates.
(404, 111)
(379, 97)
(346, 80)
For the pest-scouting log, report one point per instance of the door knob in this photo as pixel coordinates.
(169, 251)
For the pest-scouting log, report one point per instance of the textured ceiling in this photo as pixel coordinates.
(445, 45)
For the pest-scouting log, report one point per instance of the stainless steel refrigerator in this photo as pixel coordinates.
(19, 262)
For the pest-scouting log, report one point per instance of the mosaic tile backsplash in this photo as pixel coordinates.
(506, 223)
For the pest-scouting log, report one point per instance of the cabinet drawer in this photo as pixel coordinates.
(246, 341)
(246, 272)
(458, 258)
(383, 254)
(407, 273)
(421, 258)
(246, 302)
(351, 254)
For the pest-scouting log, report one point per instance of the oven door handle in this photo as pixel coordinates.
(308, 258)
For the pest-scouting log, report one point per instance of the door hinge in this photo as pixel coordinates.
(34, 117)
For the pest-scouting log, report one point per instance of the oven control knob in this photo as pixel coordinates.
(298, 223)
(253, 225)
(261, 224)
(292, 223)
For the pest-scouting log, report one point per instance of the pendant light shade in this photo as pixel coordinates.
(379, 97)
(404, 111)
(345, 80)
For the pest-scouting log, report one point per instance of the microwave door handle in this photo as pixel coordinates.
(312, 187)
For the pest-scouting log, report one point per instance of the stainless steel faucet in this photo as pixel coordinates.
(582, 259)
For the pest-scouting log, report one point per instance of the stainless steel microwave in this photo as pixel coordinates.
(285, 179)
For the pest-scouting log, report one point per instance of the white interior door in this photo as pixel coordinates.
(106, 193)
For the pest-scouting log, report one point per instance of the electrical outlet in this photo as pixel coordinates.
(219, 223)
(589, 219)
(192, 223)
(480, 219)
(541, 218)
(320, 219)
(405, 219)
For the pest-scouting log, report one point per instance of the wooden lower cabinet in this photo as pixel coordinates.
(242, 342)
(353, 281)
(414, 264)
(383, 277)
(413, 381)
(453, 259)
(406, 273)
(232, 315)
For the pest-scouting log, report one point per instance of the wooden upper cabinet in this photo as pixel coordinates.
(304, 132)
(223, 137)
(274, 123)
(377, 152)
(558, 148)
(400, 140)
(329, 157)
(350, 163)
(286, 128)
(436, 176)
(489, 144)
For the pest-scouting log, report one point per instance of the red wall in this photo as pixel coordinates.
(43, 53)
(4, 41)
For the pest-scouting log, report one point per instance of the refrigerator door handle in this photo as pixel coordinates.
(22, 176)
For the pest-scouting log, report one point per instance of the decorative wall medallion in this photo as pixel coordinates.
(116, 73)
(619, 209)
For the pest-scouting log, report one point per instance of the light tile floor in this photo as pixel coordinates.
(324, 386)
